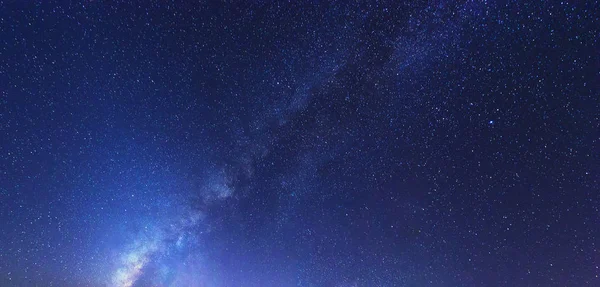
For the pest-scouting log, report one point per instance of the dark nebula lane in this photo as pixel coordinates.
(270, 143)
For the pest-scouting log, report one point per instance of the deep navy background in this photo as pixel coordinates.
(173, 143)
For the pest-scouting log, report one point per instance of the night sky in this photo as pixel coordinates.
(425, 143)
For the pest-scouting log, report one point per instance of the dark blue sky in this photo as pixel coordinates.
(171, 143)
